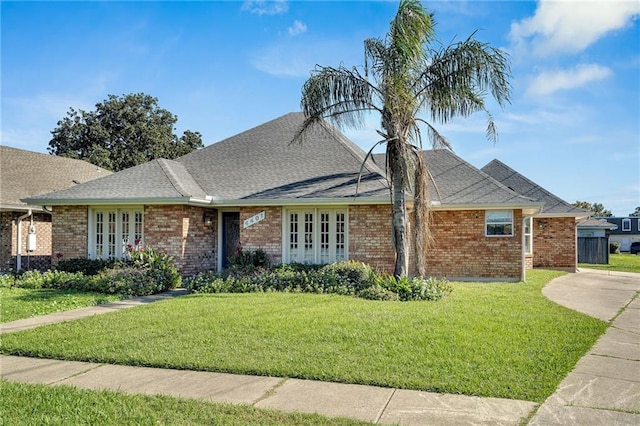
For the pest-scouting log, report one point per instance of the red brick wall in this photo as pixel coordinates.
(370, 236)
(554, 243)
(266, 234)
(6, 241)
(180, 232)
(462, 250)
(69, 232)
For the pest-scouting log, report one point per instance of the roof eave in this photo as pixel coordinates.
(300, 201)
(118, 201)
(577, 215)
(528, 209)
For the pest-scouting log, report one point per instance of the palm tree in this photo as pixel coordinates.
(404, 76)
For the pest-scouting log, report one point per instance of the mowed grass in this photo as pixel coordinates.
(25, 404)
(500, 340)
(18, 303)
(622, 262)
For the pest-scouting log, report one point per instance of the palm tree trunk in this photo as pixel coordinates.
(399, 208)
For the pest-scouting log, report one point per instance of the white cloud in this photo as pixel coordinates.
(265, 7)
(571, 26)
(548, 82)
(297, 28)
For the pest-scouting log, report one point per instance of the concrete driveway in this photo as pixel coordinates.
(604, 387)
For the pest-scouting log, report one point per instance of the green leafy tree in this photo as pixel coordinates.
(122, 132)
(597, 208)
(635, 213)
(405, 75)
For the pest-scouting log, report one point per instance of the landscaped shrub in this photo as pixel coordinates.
(86, 266)
(243, 258)
(416, 288)
(614, 247)
(48, 279)
(148, 272)
(344, 278)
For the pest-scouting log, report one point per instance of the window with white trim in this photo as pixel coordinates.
(626, 225)
(528, 235)
(315, 235)
(499, 223)
(113, 230)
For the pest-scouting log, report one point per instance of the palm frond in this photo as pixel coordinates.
(340, 95)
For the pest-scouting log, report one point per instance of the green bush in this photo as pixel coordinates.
(49, 279)
(343, 278)
(243, 258)
(86, 266)
(614, 247)
(148, 272)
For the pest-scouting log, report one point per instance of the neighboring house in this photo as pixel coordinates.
(593, 240)
(305, 202)
(26, 174)
(628, 231)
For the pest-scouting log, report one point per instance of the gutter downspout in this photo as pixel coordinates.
(19, 242)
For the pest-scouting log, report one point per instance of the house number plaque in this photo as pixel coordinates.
(253, 220)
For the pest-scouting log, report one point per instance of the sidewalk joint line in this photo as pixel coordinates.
(271, 391)
(379, 416)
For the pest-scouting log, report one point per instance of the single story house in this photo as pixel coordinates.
(308, 203)
(25, 229)
(627, 232)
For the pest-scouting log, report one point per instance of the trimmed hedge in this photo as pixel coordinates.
(344, 278)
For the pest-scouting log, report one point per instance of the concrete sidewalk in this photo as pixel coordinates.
(603, 389)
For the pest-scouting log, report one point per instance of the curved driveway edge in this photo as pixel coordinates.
(604, 387)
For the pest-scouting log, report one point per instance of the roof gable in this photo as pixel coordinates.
(263, 163)
(553, 205)
(155, 181)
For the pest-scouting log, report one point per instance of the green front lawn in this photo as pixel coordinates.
(500, 340)
(25, 404)
(18, 303)
(622, 262)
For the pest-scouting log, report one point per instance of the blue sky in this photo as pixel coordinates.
(573, 125)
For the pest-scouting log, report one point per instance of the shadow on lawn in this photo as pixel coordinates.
(47, 294)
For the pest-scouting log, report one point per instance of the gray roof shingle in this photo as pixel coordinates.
(27, 174)
(553, 205)
(457, 183)
(263, 165)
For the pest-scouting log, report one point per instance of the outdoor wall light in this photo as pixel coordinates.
(207, 219)
(542, 224)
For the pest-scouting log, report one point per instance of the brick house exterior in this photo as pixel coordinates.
(299, 203)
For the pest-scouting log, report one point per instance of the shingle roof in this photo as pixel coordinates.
(457, 183)
(553, 205)
(263, 163)
(26, 173)
(259, 164)
(156, 181)
(595, 223)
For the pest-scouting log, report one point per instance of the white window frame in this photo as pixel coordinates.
(627, 222)
(118, 249)
(321, 236)
(528, 234)
(498, 218)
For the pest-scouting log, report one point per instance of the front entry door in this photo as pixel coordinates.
(230, 235)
